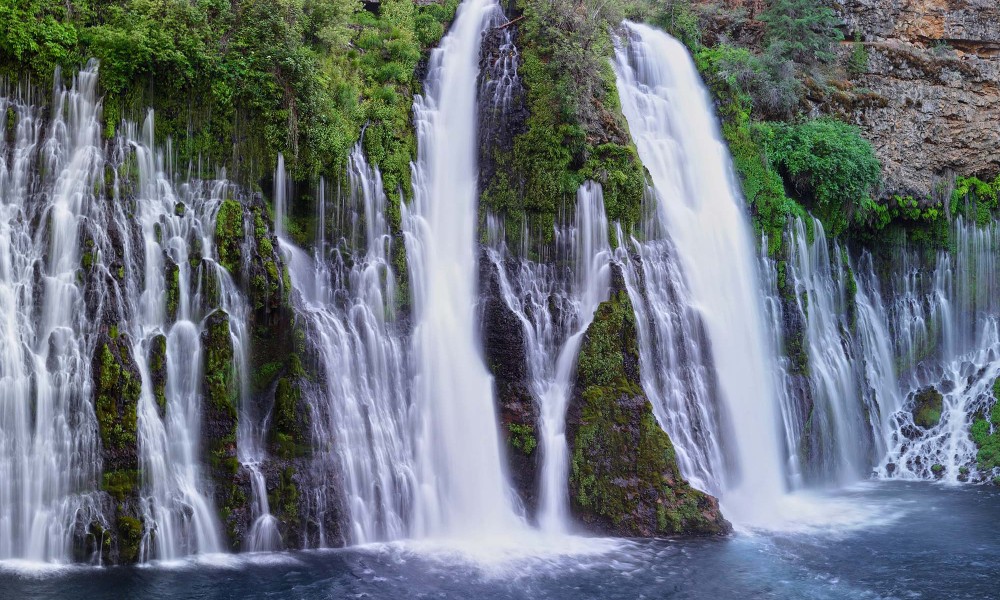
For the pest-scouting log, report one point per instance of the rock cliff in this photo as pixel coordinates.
(934, 76)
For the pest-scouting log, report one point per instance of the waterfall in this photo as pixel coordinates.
(555, 304)
(181, 518)
(834, 418)
(49, 458)
(837, 422)
(677, 371)
(702, 212)
(360, 405)
(463, 488)
(944, 323)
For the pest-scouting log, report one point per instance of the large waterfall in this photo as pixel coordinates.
(701, 211)
(463, 488)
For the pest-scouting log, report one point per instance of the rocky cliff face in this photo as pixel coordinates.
(933, 72)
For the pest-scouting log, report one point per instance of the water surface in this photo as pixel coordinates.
(911, 540)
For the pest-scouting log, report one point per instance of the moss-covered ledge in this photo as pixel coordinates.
(624, 479)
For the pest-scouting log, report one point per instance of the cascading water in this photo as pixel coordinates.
(833, 424)
(555, 308)
(361, 402)
(670, 117)
(49, 458)
(677, 371)
(463, 488)
(944, 324)
(838, 434)
(180, 517)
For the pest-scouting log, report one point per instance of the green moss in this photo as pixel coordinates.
(288, 434)
(220, 374)
(522, 437)
(284, 498)
(985, 433)
(623, 466)
(976, 199)
(928, 404)
(266, 374)
(116, 397)
(229, 235)
(173, 279)
(121, 484)
(574, 130)
(157, 361)
(130, 532)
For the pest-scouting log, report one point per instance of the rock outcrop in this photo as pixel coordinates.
(624, 478)
(504, 347)
(931, 101)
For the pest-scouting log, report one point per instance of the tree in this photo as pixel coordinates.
(802, 30)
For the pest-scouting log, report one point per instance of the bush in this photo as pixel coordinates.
(831, 165)
(768, 82)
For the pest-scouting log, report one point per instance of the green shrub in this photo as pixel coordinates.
(829, 164)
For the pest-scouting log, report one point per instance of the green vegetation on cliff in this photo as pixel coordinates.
(574, 130)
(237, 82)
(986, 434)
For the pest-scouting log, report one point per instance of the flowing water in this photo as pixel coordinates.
(106, 242)
(555, 304)
(919, 541)
(463, 488)
(700, 209)
(49, 457)
(347, 296)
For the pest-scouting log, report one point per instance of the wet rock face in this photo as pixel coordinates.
(624, 479)
(503, 342)
(935, 65)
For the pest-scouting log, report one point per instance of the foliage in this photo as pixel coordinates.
(802, 30)
(857, 64)
(574, 130)
(985, 433)
(247, 78)
(831, 166)
(976, 199)
(767, 83)
(522, 437)
(748, 142)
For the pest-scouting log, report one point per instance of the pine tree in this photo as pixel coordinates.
(802, 30)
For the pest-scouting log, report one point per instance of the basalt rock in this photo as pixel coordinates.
(503, 342)
(935, 65)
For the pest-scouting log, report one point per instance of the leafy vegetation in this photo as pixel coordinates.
(831, 167)
(574, 129)
(247, 78)
(976, 199)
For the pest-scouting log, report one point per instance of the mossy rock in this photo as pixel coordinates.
(624, 478)
(220, 420)
(229, 235)
(173, 280)
(927, 407)
(157, 362)
(985, 432)
(117, 388)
